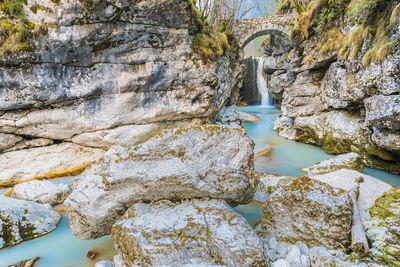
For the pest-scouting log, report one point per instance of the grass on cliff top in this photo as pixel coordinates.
(376, 20)
(209, 42)
(15, 31)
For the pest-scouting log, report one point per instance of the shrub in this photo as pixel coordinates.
(331, 41)
(15, 31)
(210, 46)
(209, 42)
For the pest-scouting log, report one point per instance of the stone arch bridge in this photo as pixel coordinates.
(246, 30)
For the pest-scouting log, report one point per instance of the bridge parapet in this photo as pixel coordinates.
(246, 30)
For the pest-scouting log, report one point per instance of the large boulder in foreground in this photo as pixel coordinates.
(44, 192)
(23, 220)
(384, 228)
(197, 232)
(207, 161)
(303, 209)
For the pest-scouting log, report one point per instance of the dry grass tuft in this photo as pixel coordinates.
(330, 42)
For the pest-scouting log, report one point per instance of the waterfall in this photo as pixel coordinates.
(262, 84)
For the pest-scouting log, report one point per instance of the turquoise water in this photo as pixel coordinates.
(288, 156)
(61, 248)
(58, 249)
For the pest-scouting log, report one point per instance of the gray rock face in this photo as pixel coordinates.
(314, 84)
(339, 132)
(302, 98)
(386, 139)
(197, 233)
(206, 161)
(284, 126)
(307, 210)
(43, 192)
(384, 228)
(23, 220)
(383, 112)
(340, 89)
(229, 117)
(110, 73)
(370, 189)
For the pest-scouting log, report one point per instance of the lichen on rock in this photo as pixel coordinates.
(351, 161)
(204, 161)
(197, 232)
(44, 192)
(23, 220)
(302, 209)
(384, 228)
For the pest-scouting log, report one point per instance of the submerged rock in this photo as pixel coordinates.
(23, 220)
(307, 210)
(45, 162)
(199, 232)
(206, 161)
(25, 263)
(44, 192)
(104, 264)
(248, 117)
(350, 161)
(384, 228)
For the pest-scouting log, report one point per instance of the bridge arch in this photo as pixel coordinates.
(260, 33)
(246, 30)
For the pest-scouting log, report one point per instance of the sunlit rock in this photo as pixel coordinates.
(351, 161)
(44, 192)
(199, 232)
(384, 228)
(207, 161)
(23, 220)
(45, 162)
(307, 210)
(370, 189)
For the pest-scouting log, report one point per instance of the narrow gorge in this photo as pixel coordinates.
(199, 133)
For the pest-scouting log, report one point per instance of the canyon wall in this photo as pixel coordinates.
(100, 73)
(339, 87)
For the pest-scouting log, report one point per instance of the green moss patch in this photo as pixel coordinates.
(15, 31)
(376, 19)
(387, 205)
(209, 42)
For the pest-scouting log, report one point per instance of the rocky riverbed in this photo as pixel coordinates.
(138, 101)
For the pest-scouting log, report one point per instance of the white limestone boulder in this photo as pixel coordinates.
(194, 233)
(303, 209)
(350, 161)
(45, 162)
(370, 189)
(23, 220)
(207, 161)
(44, 192)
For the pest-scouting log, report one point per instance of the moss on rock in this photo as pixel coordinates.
(384, 228)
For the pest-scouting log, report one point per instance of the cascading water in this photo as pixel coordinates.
(262, 84)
